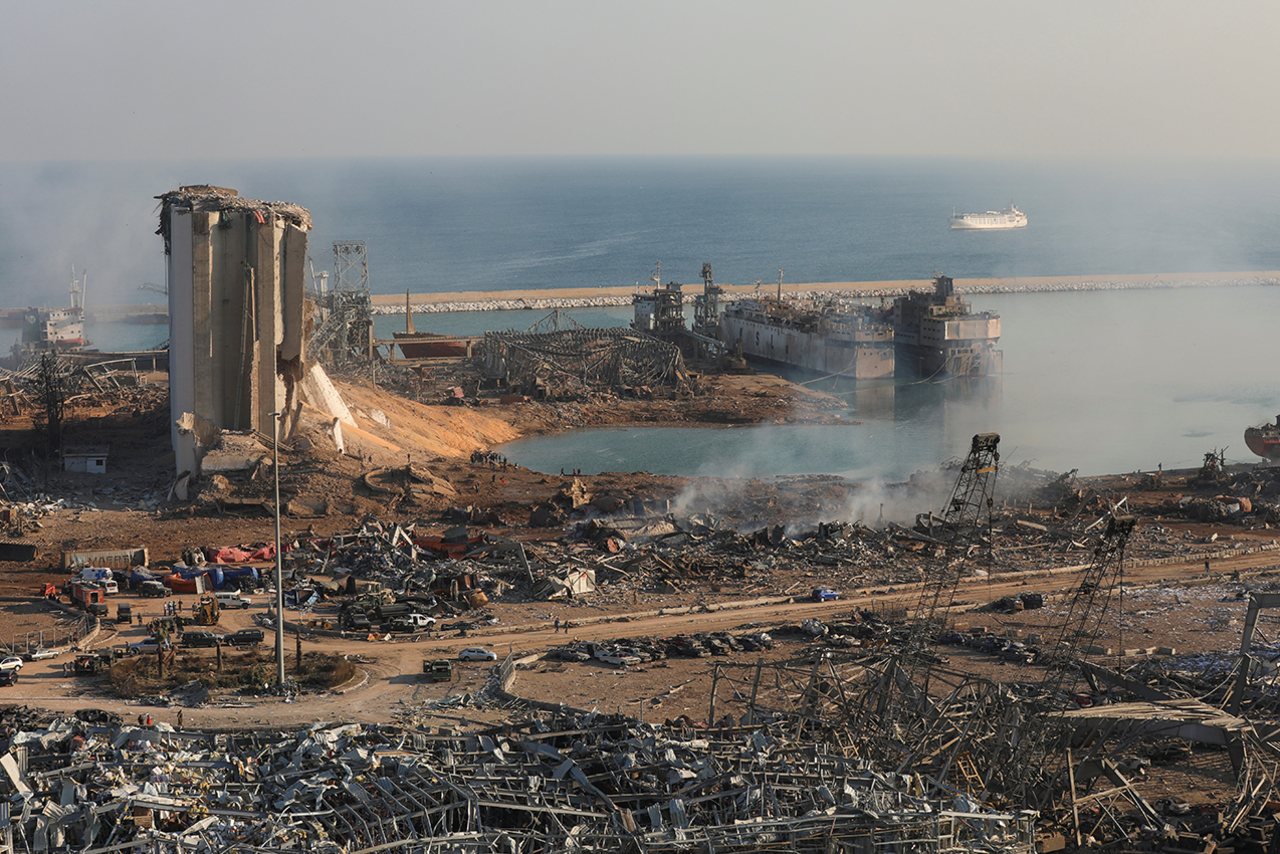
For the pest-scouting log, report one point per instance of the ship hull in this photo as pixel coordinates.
(1263, 441)
(425, 345)
(1002, 227)
(869, 356)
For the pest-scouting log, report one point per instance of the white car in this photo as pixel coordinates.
(477, 653)
(613, 656)
(11, 662)
(40, 654)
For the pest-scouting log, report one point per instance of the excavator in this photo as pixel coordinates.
(206, 611)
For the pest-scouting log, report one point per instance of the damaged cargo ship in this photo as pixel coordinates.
(939, 334)
(856, 342)
(1265, 440)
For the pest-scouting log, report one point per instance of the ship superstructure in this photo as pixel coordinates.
(939, 334)
(1010, 217)
(54, 330)
(830, 339)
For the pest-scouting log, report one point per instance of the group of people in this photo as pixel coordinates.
(566, 625)
(144, 719)
(490, 458)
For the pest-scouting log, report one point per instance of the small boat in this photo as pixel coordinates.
(425, 345)
(1010, 217)
(1265, 440)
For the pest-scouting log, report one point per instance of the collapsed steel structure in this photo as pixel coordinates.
(567, 783)
(567, 361)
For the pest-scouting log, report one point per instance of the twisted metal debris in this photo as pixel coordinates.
(573, 359)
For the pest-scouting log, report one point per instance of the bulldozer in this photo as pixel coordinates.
(206, 611)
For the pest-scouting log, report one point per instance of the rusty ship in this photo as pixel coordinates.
(939, 334)
(855, 342)
(425, 345)
(1264, 440)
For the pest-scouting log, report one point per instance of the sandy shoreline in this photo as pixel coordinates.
(989, 285)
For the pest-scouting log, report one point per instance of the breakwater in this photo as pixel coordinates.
(603, 297)
(441, 303)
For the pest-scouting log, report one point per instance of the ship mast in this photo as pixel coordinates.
(78, 288)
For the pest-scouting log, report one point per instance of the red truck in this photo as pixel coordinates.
(92, 599)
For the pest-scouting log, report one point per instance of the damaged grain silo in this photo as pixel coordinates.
(237, 314)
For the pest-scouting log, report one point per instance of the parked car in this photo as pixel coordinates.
(244, 637)
(40, 654)
(477, 653)
(232, 600)
(420, 621)
(824, 594)
(200, 638)
(8, 677)
(356, 621)
(154, 589)
(144, 646)
(11, 662)
(613, 656)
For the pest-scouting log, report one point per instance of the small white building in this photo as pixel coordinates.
(91, 459)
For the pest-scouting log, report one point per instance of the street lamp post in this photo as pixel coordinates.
(279, 561)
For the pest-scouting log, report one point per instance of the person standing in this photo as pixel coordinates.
(557, 625)
(179, 718)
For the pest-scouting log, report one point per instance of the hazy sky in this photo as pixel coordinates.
(140, 80)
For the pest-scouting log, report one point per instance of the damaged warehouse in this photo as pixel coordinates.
(568, 362)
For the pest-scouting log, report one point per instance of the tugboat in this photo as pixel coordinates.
(1265, 440)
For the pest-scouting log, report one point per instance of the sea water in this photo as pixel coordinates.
(1099, 381)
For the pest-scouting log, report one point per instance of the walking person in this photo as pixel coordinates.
(179, 718)
(557, 625)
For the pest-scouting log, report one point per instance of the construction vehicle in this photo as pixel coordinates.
(49, 591)
(206, 611)
(438, 670)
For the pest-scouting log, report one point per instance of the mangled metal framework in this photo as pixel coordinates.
(581, 783)
(1024, 742)
(573, 360)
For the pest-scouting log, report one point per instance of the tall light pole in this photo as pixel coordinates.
(279, 561)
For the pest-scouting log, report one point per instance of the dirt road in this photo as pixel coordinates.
(390, 677)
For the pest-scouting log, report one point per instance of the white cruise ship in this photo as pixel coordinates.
(1010, 217)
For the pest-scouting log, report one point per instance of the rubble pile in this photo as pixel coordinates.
(573, 783)
(1103, 776)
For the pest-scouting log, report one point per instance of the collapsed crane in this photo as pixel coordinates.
(910, 674)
